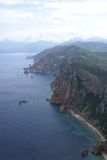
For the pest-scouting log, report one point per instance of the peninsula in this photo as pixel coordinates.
(80, 84)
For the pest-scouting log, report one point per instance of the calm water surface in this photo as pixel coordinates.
(35, 130)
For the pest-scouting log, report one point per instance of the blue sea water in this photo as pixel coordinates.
(35, 130)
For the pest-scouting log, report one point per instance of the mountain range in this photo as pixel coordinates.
(8, 46)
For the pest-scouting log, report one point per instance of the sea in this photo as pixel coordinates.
(36, 130)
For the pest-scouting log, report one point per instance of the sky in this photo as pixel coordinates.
(55, 20)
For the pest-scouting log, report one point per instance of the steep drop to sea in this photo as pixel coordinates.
(35, 130)
(80, 83)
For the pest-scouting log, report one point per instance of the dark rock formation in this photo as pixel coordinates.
(26, 71)
(104, 146)
(99, 148)
(22, 102)
(47, 99)
(84, 152)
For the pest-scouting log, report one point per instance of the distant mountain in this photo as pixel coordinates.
(88, 44)
(93, 39)
(93, 46)
(24, 46)
(97, 39)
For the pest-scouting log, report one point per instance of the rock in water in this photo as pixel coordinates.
(84, 152)
(47, 99)
(22, 102)
(97, 149)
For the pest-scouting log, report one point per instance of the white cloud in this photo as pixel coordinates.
(13, 16)
(16, 2)
(88, 7)
(10, 2)
(53, 19)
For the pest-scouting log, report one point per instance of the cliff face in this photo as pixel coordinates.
(83, 93)
(78, 85)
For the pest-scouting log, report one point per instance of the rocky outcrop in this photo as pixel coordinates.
(83, 93)
(84, 152)
(98, 149)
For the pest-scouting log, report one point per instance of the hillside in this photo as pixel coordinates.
(80, 81)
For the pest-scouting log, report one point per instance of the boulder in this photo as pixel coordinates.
(84, 152)
(97, 149)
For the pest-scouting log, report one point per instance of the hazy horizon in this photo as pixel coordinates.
(52, 20)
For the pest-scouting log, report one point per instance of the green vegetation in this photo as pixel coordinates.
(71, 63)
(93, 62)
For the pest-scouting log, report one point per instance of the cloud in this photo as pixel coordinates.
(88, 7)
(10, 2)
(13, 16)
(16, 2)
(59, 20)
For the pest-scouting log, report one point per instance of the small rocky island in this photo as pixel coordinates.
(84, 152)
(20, 102)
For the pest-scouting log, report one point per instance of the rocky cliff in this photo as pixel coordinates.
(83, 93)
(80, 82)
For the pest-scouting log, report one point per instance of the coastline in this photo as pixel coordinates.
(94, 129)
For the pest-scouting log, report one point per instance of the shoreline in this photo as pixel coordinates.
(94, 129)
